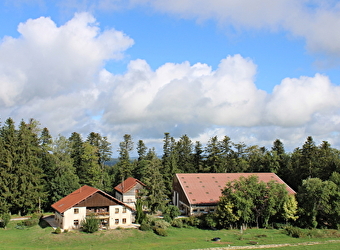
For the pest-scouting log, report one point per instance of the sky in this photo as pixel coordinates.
(255, 71)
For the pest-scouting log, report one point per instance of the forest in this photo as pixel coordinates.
(37, 170)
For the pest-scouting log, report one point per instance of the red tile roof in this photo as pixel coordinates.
(79, 195)
(206, 188)
(127, 185)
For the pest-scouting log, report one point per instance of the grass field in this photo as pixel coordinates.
(42, 237)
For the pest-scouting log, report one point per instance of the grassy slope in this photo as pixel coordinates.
(43, 238)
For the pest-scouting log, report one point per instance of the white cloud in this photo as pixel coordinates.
(46, 71)
(317, 22)
(57, 75)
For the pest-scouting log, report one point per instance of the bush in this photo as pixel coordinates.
(171, 212)
(6, 217)
(161, 224)
(34, 220)
(145, 227)
(160, 231)
(57, 230)
(192, 221)
(295, 232)
(177, 223)
(167, 218)
(90, 224)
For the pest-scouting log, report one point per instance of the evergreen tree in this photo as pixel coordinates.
(124, 165)
(64, 179)
(185, 157)
(139, 170)
(30, 174)
(198, 158)
(169, 162)
(77, 151)
(155, 192)
(213, 156)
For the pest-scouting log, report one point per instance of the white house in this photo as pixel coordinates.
(72, 209)
(128, 191)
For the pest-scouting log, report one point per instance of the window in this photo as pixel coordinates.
(76, 210)
(76, 223)
(124, 209)
(116, 221)
(116, 210)
(124, 220)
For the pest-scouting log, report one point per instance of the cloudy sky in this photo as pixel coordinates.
(253, 70)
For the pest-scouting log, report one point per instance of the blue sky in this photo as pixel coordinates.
(254, 71)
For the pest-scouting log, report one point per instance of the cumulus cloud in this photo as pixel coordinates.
(57, 75)
(46, 71)
(195, 100)
(317, 22)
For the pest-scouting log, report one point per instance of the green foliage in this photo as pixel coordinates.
(4, 219)
(155, 193)
(145, 227)
(160, 224)
(294, 232)
(177, 223)
(249, 201)
(160, 231)
(171, 212)
(90, 224)
(140, 215)
(319, 203)
(32, 221)
(57, 230)
(192, 221)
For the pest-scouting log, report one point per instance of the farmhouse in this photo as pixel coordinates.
(72, 209)
(128, 191)
(200, 193)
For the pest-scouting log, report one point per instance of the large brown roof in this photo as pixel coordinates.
(205, 188)
(79, 195)
(126, 185)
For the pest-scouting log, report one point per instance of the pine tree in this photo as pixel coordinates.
(64, 179)
(155, 192)
(28, 169)
(185, 156)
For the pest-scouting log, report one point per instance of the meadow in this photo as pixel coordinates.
(43, 237)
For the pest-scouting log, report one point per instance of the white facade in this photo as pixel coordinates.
(129, 197)
(118, 216)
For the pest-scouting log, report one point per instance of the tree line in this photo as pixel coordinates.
(36, 170)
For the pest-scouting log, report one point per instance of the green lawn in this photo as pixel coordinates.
(185, 238)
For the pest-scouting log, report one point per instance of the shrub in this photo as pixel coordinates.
(167, 218)
(90, 224)
(160, 231)
(145, 227)
(57, 230)
(295, 232)
(171, 212)
(161, 224)
(6, 217)
(192, 221)
(177, 223)
(34, 220)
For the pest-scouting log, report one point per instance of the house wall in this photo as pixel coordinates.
(179, 198)
(129, 197)
(120, 216)
(67, 220)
